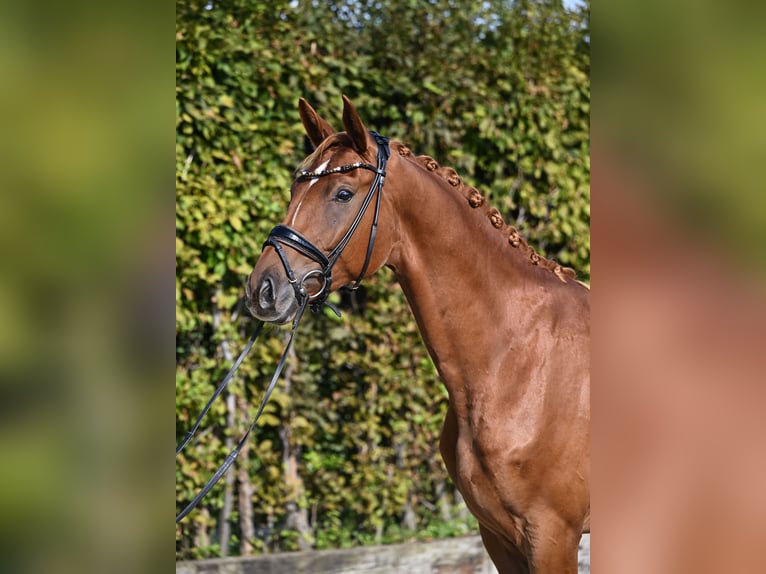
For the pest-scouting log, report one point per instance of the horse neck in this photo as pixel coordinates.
(467, 287)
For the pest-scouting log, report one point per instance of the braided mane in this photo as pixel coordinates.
(477, 201)
(474, 197)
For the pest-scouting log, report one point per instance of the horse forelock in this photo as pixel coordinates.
(333, 141)
(312, 158)
(477, 201)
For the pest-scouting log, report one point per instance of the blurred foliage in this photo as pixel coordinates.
(695, 128)
(497, 89)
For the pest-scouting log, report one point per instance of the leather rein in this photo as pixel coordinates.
(284, 235)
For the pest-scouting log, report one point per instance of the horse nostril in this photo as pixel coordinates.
(248, 291)
(266, 297)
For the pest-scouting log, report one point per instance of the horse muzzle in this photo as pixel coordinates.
(270, 298)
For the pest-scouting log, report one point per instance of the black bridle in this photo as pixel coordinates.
(284, 235)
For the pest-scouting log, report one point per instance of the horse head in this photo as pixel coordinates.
(339, 226)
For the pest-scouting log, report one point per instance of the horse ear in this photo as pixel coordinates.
(316, 128)
(354, 127)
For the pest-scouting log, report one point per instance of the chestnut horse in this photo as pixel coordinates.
(508, 330)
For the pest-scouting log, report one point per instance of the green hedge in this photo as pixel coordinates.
(347, 450)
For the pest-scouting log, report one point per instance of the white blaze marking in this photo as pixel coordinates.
(319, 169)
(312, 182)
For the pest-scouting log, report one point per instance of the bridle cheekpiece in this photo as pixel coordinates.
(283, 235)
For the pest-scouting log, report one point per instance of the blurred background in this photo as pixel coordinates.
(86, 291)
(678, 317)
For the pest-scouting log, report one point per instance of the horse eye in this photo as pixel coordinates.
(344, 196)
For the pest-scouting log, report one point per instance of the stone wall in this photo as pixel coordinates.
(464, 555)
